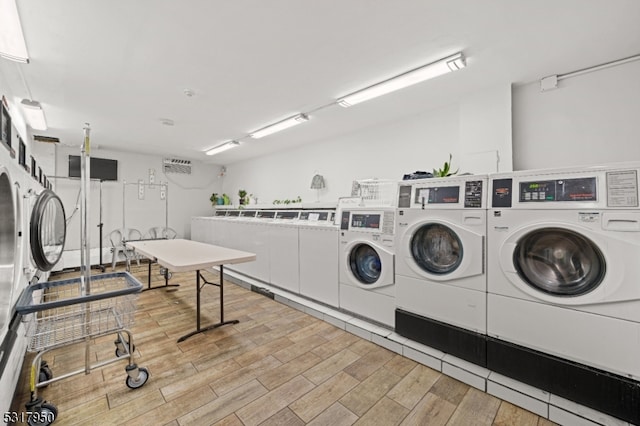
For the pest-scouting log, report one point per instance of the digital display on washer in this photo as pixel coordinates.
(578, 189)
(366, 221)
(248, 213)
(233, 213)
(266, 215)
(221, 213)
(444, 195)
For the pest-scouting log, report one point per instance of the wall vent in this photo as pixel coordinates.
(176, 165)
(47, 139)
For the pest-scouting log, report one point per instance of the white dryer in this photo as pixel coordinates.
(563, 292)
(440, 267)
(367, 263)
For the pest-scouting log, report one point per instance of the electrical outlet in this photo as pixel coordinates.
(163, 191)
(152, 178)
(140, 189)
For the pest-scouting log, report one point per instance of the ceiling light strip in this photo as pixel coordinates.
(223, 147)
(34, 114)
(280, 125)
(435, 69)
(12, 44)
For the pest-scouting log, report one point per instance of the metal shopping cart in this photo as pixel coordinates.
(72, 311)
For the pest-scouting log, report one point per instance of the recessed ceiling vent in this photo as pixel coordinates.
(176, 165)
(48, 139)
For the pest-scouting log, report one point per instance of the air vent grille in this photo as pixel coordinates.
(176, 165)
(48, 139)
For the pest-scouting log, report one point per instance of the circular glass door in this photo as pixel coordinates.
(48, 230)
(436, 249)
(7, 245)
(365, 263)
(559, 262)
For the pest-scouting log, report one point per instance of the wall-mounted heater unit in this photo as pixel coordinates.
(176, 165)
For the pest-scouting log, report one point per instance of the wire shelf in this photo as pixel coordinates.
(375, 192)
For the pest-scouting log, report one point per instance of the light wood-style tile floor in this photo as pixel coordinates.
(277, 366)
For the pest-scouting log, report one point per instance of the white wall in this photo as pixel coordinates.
(188, 195)
(480, 123)
(593, 118)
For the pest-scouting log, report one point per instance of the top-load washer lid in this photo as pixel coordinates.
(559, 261)
(7, 244)
(365, 263)
(48, 230)
(436, 248)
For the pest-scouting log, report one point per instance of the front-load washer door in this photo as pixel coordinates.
(442, 252)
(369, 265)
(48, 230)
(559, 262)
(7, 246)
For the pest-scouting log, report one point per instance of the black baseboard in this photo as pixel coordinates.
(464, 344)
(608, 393)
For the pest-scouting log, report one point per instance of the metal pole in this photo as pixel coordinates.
(85, 247)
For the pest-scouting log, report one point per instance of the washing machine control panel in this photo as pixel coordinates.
(368, 221)
(577, 189)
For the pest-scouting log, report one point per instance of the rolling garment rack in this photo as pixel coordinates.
(164, 187)
(100, 225)
(76, 311)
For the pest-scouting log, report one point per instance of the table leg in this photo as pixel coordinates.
(166, 279)
(222, 321)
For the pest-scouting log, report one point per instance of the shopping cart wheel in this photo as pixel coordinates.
(45, 373)
(135, 383)
(121, 347)
(42, 415)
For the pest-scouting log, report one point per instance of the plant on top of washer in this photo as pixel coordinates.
(445, 170)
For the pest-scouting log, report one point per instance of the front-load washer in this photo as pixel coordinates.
(441, 278)
(563, 293)
(8, 248)
(318, 243)
(367, 263)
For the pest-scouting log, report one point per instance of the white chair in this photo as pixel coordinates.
(161, 233)
(118, 238)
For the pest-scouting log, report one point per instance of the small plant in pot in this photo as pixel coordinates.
(244, 200)
(445, 170)
(215, 198)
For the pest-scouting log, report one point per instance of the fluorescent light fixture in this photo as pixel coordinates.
(223, 147)
(435, 69)
(12, 44)
(34, 114)
(281, 125)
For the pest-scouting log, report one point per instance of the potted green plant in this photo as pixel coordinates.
(214, 199)
(226, 200)
(244, 200)
(445, 170)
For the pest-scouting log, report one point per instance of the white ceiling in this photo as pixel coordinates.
(123, 65)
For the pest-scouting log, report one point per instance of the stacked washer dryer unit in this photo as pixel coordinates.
(440, 264)
(564, 284)
(32, 237)
(367, 263)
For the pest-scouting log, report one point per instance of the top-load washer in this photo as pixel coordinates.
(367, 263)
(440, 264)
(283, 251)
(318, 260)
(563, 292)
